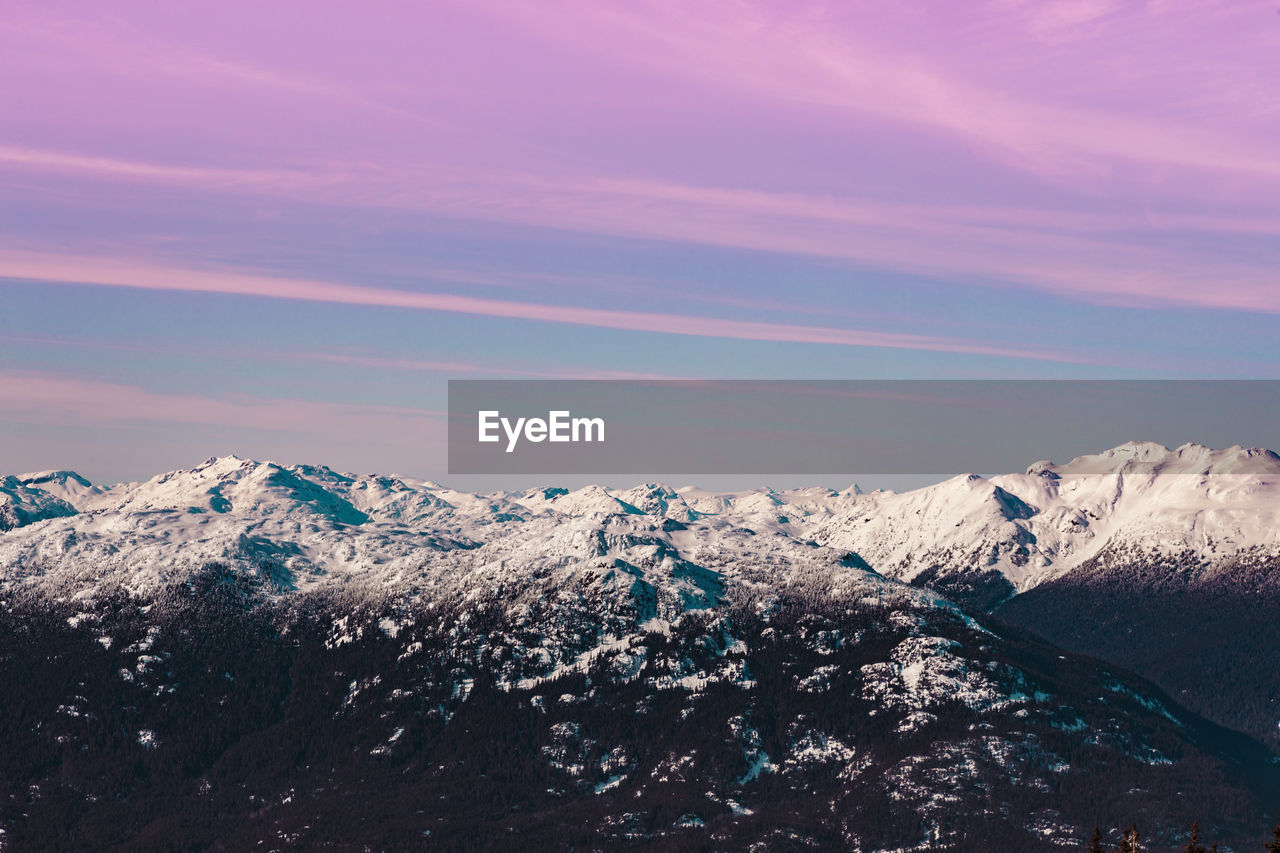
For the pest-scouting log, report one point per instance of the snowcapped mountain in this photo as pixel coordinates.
(29, 498)
(986, 540)
(667, 666)
(67, 486)
(978, 540)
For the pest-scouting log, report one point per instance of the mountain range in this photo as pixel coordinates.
(340, 660)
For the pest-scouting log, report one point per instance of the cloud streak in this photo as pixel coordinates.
(454, 368)
(1081, 255)
(63, 270)
(208, 177)
(44, 398)
(814, 55)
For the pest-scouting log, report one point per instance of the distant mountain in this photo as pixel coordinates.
(981, 541)
(987, 540)
(1166, 562)
(244, 652)
(23, 501)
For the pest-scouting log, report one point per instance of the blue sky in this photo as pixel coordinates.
(217, 239)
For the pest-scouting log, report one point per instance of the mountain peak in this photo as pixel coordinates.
(61, 485)
(59, 477)
(227, 462)
(1155, 458)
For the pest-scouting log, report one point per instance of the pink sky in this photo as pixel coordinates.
(1058, 124)
(988, 188)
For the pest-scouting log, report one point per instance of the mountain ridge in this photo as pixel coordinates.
(1006, 533)
(663, 667)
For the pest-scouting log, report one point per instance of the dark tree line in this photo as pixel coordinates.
(1131, 841)
(1200, 641)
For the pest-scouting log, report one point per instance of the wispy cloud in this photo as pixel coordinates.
(208, 177)
(921, 72)
(110, 45)
(41, 397)
(1075, 254)
(444, 367)
(65, 269)
(454, 368)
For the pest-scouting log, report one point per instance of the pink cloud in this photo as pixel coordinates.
(53, 399)
(1073, 254)
(67, 269)
(191, 176)
(1049, 89)
(463, 368)
(450, 368)
(890, 63)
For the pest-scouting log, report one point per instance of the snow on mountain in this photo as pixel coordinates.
(740, 655)
(1139, 497)
(303, 522)
(301, 528)
(978, 539)
(966, 521)
(67, 486)
(587, 501)
(23, 502)
(658, 500)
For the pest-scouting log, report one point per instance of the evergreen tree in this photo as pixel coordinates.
(1131, 841)
(1095, 843)
(1193, 842)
